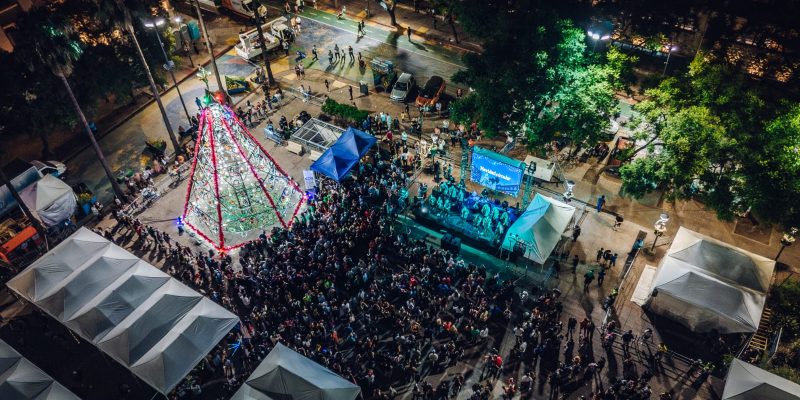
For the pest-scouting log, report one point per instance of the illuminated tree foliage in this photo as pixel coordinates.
(536, 76)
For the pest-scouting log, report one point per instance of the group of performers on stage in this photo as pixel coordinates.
(489, 218)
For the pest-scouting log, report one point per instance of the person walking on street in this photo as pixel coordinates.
(601, 276)
(409, 33)
(613, 260)
(571, 323)
(575, 262)
(575, 233)
(601, 201)
(330, 56)
(327, 86)
(314, 55)
(350, 90)
(588, 277)
(350, 51)
(336, 51)
(627, 337)
(599, 255)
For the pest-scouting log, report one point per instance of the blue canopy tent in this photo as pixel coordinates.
(340, 158)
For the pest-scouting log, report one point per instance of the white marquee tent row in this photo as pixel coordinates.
(20, 379)
(540, 227)
(149, 322)
(748, 382)
(706, 284)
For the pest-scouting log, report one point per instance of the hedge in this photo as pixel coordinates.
(344, 111)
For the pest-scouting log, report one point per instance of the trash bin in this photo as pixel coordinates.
(362, 86)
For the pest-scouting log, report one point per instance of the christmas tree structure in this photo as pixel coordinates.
(236, 189)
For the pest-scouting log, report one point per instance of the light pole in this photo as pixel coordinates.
(596, 37)
(660, 228)
(210, 49)
(568, 194)
(153, 88)
(788, 238)
(669, 53)
(178, 19)
(170, 65)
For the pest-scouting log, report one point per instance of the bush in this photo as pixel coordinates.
(785, 301)
(344, 111)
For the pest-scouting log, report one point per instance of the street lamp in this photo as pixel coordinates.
(596, 37)
(660, 228)
(170, 65)
(670, 48)
(184, 40)
(568, 194)
(788, 238)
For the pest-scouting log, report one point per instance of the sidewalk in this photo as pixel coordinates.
(421, 24)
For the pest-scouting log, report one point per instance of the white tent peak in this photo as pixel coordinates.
(50, 199)
(285, 373)
(540, 227)
(22, 380)
(706, 284)
(147, 321)
(748, 382)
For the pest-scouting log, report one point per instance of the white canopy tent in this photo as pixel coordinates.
(285, 374)
(149, 322)
(706, 284)
(20, 379)
(540, 227)
(748, 382)
(50, 199)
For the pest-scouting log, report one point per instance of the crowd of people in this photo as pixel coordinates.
(350, 289)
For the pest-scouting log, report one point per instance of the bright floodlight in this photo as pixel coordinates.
(153, 24)
(605, 37)
(177, 19)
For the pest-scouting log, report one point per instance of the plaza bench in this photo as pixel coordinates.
(294, 148)
(314, 155)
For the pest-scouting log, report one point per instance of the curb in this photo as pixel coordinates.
(144, 105)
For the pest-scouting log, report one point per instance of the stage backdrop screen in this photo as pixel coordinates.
(496, 171)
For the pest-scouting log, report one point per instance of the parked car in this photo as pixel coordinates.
(431, 92)
(403, 88)
(54, 168)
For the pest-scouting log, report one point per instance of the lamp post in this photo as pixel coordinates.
(178, 19)
(210, 49)
(788, 238)
(660, 228)
(670, 47)
(596, 37)
(170, 65)
(568, 194)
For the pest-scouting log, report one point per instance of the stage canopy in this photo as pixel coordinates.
(337, 161)
(748, 382)
(706, 284)
(540, 227)
(21, 380)
(150, 323)
(285, 374)
(51, 200)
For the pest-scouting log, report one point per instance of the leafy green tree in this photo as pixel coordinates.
(555, 88)
(710, 134)
(389, 6)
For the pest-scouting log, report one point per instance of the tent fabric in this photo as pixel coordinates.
(149, 322)
(51, 200)
(748, 382)
(340, 158)
(697, 266)
(20, 379)
(540, 227)
(285, 374)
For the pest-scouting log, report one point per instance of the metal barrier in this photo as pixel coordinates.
(161, 186)
(313, 99)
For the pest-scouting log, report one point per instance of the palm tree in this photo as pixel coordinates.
(117, 14)
(53, 47)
